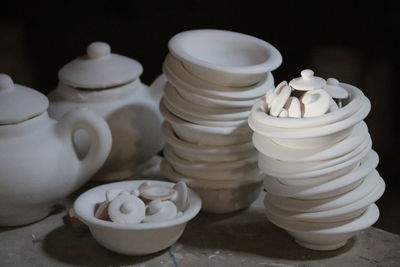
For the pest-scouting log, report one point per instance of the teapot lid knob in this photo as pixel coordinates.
(307, 73)
(98, 49)
(6, 82)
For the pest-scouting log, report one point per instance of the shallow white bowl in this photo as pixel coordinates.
(301, 205)
(207, 153)
(311, 174)
(269, 148)
(342, 213)
(207, 135)
(220, 196)
(289, 167)
(326, 236)
(190, 110)
(178, 75)
(231, 170)
(197, 119)
(132, 239)
(356, 100)
(329, 189)
(224, 57)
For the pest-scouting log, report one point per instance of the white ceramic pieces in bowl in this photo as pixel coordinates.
(109, 84)
(225, 58)
(320, 178)
(158, 230)
(38, 163)
(211, 86)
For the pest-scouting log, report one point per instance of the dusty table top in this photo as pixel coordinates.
(243, 238)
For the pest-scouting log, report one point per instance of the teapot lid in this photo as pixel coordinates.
(307, 81)
(100, 68)
(19, 103)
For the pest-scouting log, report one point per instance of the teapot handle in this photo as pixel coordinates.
(100, 136)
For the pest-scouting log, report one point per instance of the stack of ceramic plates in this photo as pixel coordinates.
(213, 79)
(321, 180)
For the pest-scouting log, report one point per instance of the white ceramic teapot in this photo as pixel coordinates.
(38, 161)
(109, 84)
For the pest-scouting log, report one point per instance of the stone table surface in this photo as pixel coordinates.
(243, 238)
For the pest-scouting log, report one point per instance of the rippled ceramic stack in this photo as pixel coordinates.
(321, 180)
(214, 77)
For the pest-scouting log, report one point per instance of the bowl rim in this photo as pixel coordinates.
(171, 174)
(314, 205)
(176, 142)
(80, 207)
(175, 120)
(176, 47)
(171, 156)
(172, 66)
(361, 203)
(365, 220)
(368, 164)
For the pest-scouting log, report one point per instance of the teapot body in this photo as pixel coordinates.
(38, 167)
(132, 113)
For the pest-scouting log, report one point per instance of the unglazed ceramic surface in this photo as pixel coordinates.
(39, 165)
(129, 107)
(137, 238)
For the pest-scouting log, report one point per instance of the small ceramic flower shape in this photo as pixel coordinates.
(126, 208)
(158, 210)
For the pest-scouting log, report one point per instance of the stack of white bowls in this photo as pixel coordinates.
(321, 180)
(213, 79)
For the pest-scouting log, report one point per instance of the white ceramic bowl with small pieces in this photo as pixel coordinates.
(221, 196)
(132, 239)
(224, 57)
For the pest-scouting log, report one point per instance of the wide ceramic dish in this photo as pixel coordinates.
(206, 153)
(207, 135)
(326, 236)
(288, 167)
(231, 170)
(132, 239)
(269, 148)
(220, 196)
(306, 205)
(178, 75)
(357, 99)
(342, 213)
(173, 98)
(204, 53)
(329, 189)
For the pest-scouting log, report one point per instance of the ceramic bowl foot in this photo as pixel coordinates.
(321, 247)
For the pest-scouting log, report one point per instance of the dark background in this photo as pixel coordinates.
(354, 41)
